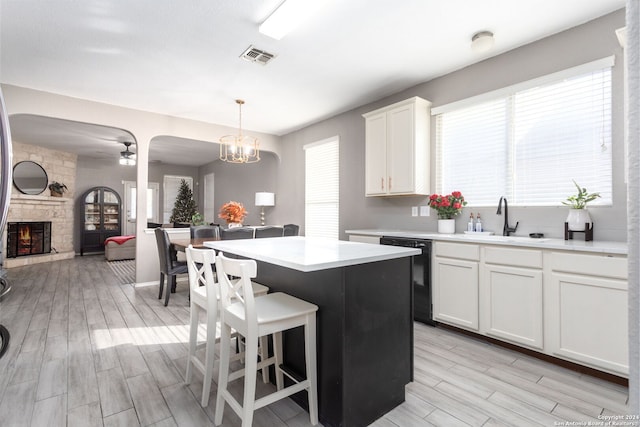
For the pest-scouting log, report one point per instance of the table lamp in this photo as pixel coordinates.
(264, 199)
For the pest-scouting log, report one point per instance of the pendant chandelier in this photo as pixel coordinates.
(239, 148)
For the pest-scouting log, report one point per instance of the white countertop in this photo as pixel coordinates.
(577, 244)
(310, 254)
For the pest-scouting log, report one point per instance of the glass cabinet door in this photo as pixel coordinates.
(92, 211)
(110, 197)
(111, 211)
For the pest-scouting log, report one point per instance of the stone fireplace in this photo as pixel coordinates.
(28, 238)
(58, 211)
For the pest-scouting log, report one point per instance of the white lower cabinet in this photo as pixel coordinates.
(455, 289)
(511, 295)
(586, 311)
(566, 304)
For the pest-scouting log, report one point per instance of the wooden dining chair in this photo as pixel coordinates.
(254, 318)
(204, 297)
(170, 267)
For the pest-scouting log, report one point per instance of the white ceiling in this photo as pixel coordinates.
(182, 58)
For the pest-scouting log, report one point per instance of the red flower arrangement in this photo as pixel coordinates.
(232, 212)
(447, 206)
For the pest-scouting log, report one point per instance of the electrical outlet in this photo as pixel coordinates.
(424, 210)
(414, 211)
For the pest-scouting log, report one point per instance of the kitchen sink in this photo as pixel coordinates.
(493, 238)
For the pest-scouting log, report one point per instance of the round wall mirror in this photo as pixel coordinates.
(30, 178)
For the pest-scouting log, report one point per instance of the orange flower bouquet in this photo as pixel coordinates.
(232, 212)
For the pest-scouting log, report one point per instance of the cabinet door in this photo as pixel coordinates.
(586, 320)
(376, 155)
(455, 292)
(400, 150)
(511, 304)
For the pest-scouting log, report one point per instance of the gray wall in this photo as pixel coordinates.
(240, 183)
(588, 42)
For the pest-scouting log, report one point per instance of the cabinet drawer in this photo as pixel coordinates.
(591, 265)
(458, 250)
(364, 239)
(513, 257)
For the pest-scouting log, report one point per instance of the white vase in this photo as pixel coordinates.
(234, 224)
(577, 218)
(447, 226)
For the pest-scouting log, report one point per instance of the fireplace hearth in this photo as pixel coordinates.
(28, 238)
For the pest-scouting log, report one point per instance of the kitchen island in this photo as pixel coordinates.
(365, 326)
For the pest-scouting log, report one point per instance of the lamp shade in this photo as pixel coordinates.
(265, 199)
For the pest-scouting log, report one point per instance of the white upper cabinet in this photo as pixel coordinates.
(397, 149)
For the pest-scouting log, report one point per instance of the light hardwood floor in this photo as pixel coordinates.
(87, 350)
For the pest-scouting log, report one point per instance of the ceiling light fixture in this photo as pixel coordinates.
(127, 158)
(288, 16)
(239, 148)
(482, 41)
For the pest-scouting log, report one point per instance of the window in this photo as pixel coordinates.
(152, 200)
(322, 190)
(530, 142)
(171, 187)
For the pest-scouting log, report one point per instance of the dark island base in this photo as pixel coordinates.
(364, 336)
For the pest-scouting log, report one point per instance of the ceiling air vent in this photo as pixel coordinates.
(256, 55)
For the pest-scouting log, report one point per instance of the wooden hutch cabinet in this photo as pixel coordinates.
(101, 211)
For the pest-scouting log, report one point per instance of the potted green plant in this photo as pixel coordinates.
(197, 219)
(578, 213)
(57, 189)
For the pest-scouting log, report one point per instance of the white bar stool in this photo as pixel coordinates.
(206, 297)
(254, 318)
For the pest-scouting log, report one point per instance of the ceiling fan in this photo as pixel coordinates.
(127, 157)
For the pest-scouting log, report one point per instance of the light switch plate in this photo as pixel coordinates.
(414, 211)
(424, 210)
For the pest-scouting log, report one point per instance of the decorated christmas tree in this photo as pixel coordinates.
(185, 207)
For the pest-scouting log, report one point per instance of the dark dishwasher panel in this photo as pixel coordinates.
(422, 303)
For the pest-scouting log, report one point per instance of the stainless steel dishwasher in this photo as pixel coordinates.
(422, 303)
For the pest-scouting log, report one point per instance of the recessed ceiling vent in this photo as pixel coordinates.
(256, 55)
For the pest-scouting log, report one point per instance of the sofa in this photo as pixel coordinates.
(120, 247)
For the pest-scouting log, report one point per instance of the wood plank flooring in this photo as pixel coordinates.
(87, 350)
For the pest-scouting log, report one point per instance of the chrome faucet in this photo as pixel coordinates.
(505, 229)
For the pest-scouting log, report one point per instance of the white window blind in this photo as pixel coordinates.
(171, 187)
(529, 145)
(322, 189)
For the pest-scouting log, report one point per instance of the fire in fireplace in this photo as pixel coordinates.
(28, 238)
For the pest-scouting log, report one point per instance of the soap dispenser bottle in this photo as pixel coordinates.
(478, 223)
(470, 223)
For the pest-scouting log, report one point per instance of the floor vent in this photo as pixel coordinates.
(256, 55)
